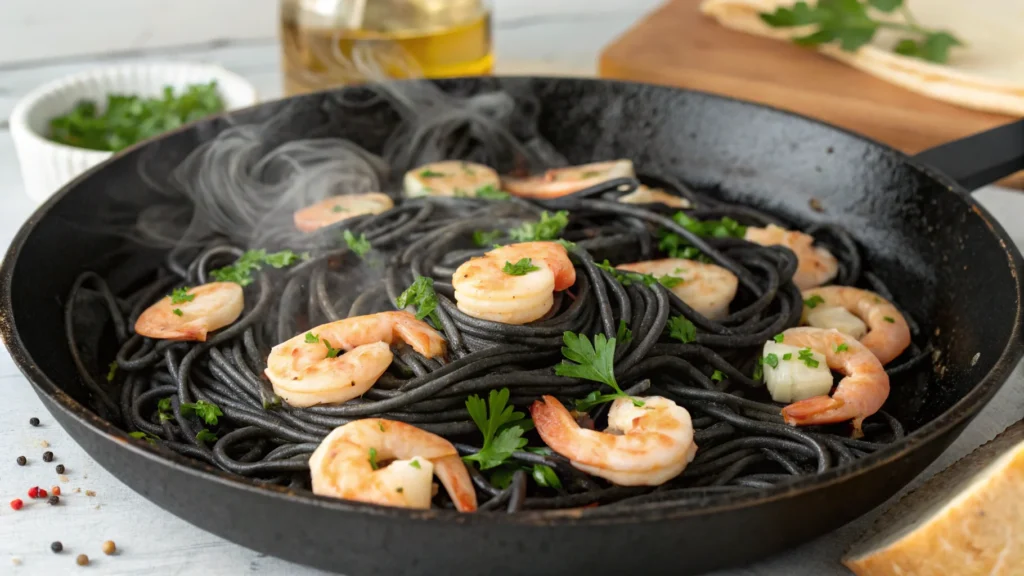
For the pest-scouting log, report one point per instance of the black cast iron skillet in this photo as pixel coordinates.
(943, 255)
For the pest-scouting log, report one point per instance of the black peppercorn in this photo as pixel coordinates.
(47, 456)
(33, 421)
(54, 500)
(60, 468)
(22, 460)
(56, 546)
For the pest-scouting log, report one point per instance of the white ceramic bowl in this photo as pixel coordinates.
(47, 165)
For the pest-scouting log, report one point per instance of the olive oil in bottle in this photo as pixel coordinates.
(327, 43)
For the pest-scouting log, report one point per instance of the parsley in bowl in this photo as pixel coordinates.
(127, 119)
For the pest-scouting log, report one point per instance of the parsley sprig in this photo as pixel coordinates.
(682, 329)
(549, 227)
(421, 295)
(592, 362)
(502, 426)
(490, 192)
(852, 25)
(111, 371)
(241, 271)
(206, 411)
(181, 295)
(813, 301)
(521, 268)
(332, 352)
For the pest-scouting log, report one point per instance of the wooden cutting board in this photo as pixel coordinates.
(678, 46)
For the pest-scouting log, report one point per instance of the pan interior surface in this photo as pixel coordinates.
(943, 258)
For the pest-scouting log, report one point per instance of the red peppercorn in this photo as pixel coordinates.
(17, 503)
(55, 490)
(42, 493)
(33, 492)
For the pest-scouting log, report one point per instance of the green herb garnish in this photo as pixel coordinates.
(331, 351)
(778, 338)
(850, 23)
(144, 436)
(889, 319)
(428, 173)
(165, 409)
(501, 425)
(484, 239)
(373, 459)
(126, 120)
(629, 278)
(813, 301)
(544, 476)
(678, 247)
(490, 192)
(337, 208)
(759, 369)
(521, 268)
(842, 347)
(549, 227)
(682, 329)
(181, 295)
(808, 358)
(358, 245)
(623, 335)
(415, 464)
(178, 312)
(241, 271)
(787, 356)
(205, 435)
(771, 360)
(207, 411)
(717, 376)
(421, 295)
(592, 362)
(111, 371)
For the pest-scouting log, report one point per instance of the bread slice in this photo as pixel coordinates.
(968, 519)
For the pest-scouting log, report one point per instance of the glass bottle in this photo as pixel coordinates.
(326, 43)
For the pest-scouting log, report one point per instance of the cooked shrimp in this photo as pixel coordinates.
(484, 290)
(707, 288)
(451, 178)
(642, 446)
(858, 395)
(816, 265)
(390, 463)
(304, 375)
(562, 181)
(200, 311)
(337, 208)
(888, 333)
(645, 195)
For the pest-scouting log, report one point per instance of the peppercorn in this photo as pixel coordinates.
(42, 493)
(47, 456)
(17, 503)
(33, 492)
(56, 546)
(54, 500)
(82, 560)
(55, 490)
(22, 460)
(60, 468)
(33, 421)
(109, 547)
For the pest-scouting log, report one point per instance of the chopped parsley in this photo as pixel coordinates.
(332, 352)
(549, 227)
(759, 369)
(373, 459)
(421, 295)
(808, 358)
(428, 173)
(178, 312)
(565, 244)
(521, 268)
(205, 435)
(813, 301)
(164, 409)
(771, 360)
(181, 295)
(842, 347)
(380, 424)
(717, 376)
(241, 271)
(111, 371)
(623, 335)
(337, 208)
(415, 464)
(358, 245)
(778, 338)
(312, 338)
(485, 239)
(592, 362)
(206, 411)
(889, 319)
(490, 192)
(144, 436)
(628, 278)
(787, 356)
(678, 247)
(682, 329)
(501, 425)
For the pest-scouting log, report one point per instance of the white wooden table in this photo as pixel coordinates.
(563, 37)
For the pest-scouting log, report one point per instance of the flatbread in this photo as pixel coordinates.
(987, 74)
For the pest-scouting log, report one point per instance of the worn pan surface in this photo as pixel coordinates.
(945, 258)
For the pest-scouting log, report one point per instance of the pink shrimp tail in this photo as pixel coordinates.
(554, 423)
(816, 410)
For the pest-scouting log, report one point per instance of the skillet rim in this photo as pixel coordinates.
(961, 413)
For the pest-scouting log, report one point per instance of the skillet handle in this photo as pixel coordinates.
(980, 159)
